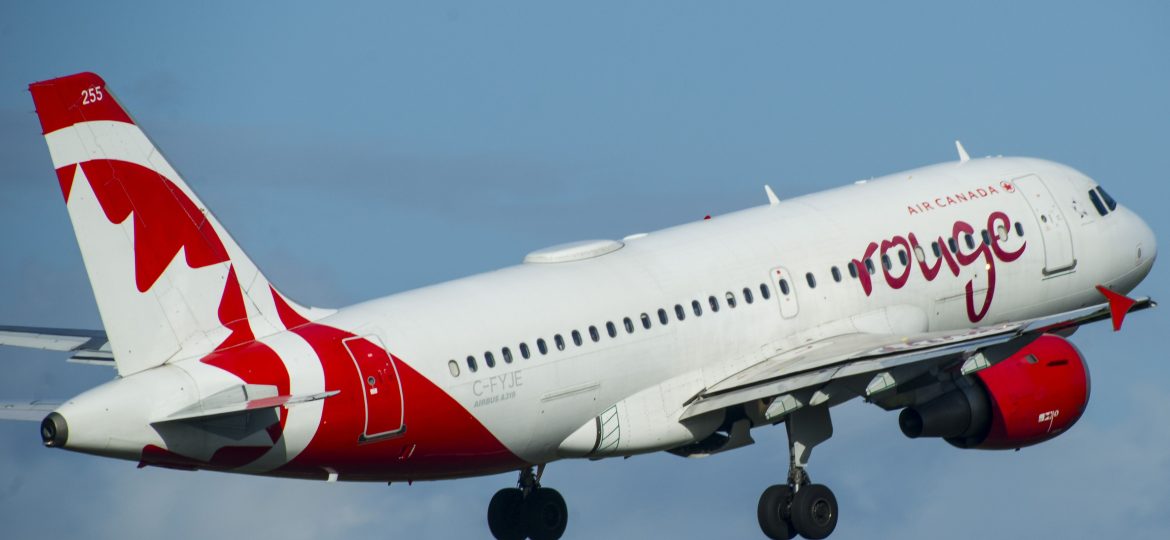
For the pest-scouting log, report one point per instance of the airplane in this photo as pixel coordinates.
(946, 292)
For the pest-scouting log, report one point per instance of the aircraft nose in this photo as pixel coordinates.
(1147, 244)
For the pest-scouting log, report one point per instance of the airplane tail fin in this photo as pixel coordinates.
(162, 268)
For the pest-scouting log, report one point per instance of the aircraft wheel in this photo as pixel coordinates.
(814, 511)
(773, 513)
(546, 514)
(506, 514)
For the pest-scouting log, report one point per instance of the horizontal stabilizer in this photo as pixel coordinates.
(240, 400)
(30, 411)
(87, 346)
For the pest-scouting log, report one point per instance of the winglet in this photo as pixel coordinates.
(963, 157)
(1119, 305)
(772, 198)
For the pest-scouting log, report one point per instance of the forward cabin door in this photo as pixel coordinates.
(785, 292)
(1054, 229)
(381, 388)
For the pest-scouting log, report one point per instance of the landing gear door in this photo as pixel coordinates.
(1054, 230)
(785, 292)
(381, 388)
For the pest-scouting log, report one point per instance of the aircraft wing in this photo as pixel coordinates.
(839, 368)
(87, 346)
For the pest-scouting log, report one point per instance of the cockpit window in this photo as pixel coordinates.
(1112, 204)
(1100, 206)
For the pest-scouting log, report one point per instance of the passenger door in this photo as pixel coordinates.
(385, 412)
(1054, 229)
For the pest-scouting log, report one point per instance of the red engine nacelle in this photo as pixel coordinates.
(1035, 395)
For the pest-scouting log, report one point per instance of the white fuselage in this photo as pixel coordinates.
(533, 404)
(641, 379)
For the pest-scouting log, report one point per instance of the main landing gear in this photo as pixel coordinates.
(800, 507)
(528, 510)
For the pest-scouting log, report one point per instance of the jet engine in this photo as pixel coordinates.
(1032, 396)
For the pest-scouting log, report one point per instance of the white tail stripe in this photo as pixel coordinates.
(306, 377)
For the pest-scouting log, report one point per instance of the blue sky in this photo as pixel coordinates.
(453, 138)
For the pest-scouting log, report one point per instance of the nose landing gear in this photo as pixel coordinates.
(800, 507)
(528, 510)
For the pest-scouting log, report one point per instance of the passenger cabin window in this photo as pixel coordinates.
(576, 337)
(1097, 202)
(970, 240)
(919, 254)
(629, 325)
(869, 266)
(784, 287)
(747, 295)
(524, 352)
(836, 274)
(507, 354)
(1002, 232)
(453, 367)
(1019, 229)
(489, 359)
(645, 321)
(765, 292)
(811, 279)
(886, 261)
(611, 329)
(542, 346)
(471, 365)
(679, 312)
(662, 318)
(560, 341)
(903, 258)
(986, 237)
(730, 299)
(593, 334)
(953, 244)
(697, 308)
(934, 248)
(714, 302)
(852, 266)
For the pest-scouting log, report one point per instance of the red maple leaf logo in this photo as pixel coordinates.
(1007, 186)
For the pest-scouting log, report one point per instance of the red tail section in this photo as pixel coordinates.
(71, 100)
(157, 259)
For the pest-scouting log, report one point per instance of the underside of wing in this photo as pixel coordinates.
(839, 368)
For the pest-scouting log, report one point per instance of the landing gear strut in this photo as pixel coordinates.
(528, 510)
(800, 507)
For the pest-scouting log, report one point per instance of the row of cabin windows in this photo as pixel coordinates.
(611, 329)
(904, 257)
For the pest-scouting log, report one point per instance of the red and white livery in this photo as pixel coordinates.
(946, 291)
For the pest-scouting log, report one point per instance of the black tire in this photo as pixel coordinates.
(506, 515)
(545, 514)
(773, 513)
(814, 511)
